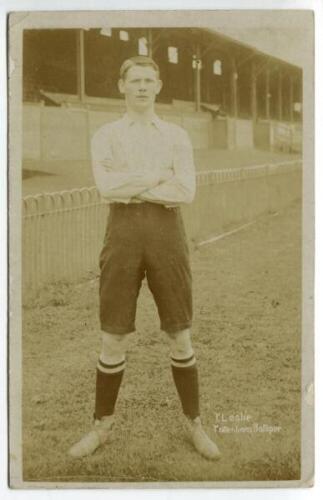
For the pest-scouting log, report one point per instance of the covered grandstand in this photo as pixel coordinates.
(225, 93)
(198, 66)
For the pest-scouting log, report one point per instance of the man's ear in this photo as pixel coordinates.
(121, 86)
(159, 86)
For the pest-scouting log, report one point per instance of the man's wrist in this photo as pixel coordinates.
(166, 175)
(154, 179)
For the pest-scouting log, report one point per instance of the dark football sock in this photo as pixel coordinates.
(185, 376)
(108, 381)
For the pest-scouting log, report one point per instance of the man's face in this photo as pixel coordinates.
(140, 87)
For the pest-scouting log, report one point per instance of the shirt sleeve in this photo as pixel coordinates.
(181, 187)
(113, 184)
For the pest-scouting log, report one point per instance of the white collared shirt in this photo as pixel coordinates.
(125, 148)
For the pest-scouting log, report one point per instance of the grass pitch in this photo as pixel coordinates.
(247, 338)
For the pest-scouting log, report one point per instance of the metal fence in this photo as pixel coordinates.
(62, 232)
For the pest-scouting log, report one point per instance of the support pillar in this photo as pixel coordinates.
(197, 68)
(280, 95)
(254, 92)
(80, 66)
(234, 88)
(150, 43)
(268, 97)
(291, 98)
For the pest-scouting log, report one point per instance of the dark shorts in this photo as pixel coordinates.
(145, 240)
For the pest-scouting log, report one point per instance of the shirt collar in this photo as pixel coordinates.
(128, 120)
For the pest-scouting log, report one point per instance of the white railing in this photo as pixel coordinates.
(62, 232)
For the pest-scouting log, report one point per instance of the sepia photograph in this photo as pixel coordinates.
(161, 222)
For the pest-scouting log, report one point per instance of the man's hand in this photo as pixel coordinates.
(151, 178)
(166, 175)
(155, 175)
(107, 164)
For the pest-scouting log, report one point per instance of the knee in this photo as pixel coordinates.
(114, 347)
(180, 344)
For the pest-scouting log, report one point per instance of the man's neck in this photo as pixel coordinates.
(143, 116)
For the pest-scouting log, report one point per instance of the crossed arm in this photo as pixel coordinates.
(170, 186)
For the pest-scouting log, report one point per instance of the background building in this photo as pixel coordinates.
(225, 93)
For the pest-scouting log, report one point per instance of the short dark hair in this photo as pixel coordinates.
(137, 61)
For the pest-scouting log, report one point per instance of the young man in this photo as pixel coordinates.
(144, 167)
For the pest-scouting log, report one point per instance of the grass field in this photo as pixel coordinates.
(246, 334)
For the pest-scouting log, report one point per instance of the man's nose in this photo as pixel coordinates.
(142, 85)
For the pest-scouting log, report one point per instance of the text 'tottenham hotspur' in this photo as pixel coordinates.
(241, 423)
